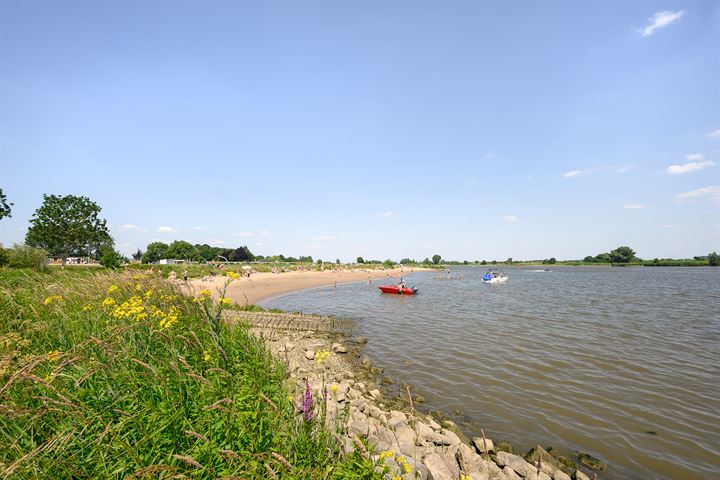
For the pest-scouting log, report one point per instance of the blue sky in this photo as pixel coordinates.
(474, 130)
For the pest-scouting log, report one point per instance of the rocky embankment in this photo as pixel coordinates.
(325, 360)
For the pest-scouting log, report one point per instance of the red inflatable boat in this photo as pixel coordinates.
(398, 290)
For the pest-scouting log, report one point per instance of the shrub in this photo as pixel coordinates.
(3, 257)
(110, 258)
(23, 256)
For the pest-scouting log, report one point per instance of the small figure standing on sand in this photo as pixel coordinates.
(185, 275)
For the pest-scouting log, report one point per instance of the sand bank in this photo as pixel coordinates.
(262, 286)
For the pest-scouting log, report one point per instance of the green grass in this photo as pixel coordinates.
(94, 383)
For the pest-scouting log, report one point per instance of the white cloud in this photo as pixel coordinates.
(690, 166)
(510, 219)
(243, 234)
(715, 134)
(625, 169)
(130, 227)
(661, 20)
(635, 206)
(200, 229)
(165, 229)
(695, 157)
(712, 192)
(322, 237)
(219, 242)
(385, 215)
(571, 173)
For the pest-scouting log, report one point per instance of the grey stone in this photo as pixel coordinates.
(478, 441)
(579, 475)
(366, 362)
(397, 418)
(406, 439)
(360, 427)
(339, 348)
(375, 394)
(361, 340)
(454, 439)
(468, 459)
(437, 467)
(439, 439)
(510, 473)
(560, 475)
(423, 430)
(310, 354)
(433, 424)
(515, 462)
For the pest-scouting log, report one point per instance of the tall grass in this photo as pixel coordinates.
(117, 376)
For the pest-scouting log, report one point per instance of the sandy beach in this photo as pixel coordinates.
(263, 285)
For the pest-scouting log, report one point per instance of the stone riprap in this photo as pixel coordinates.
(407, 444)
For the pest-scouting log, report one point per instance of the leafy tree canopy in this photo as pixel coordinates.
(622, 255)
(436, 259)
(4, 206)
(63, 225)
(713, 259)
(154, 252)
(181, 250)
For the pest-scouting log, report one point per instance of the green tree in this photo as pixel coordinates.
(360, 260)
(622, 255)
(180, 250)
(713, 259)
(137, 255)
(154, 252)
(589, 259)
(110, 258)
(68, 224)
(602, 258)
(241, 254)
(436, 259)
(4, 206)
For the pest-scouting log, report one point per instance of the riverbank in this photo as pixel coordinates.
(326, 364)
(261, 286)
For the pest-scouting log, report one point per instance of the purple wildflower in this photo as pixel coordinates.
(307, 402)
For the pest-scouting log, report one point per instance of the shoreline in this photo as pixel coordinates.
(370, 400)
(361, 402)
(262, 286)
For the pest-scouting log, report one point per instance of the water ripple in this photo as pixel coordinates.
(582, 358)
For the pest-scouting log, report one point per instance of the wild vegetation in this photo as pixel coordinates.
(107, 375)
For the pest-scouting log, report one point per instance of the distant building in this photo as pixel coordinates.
(169, 261)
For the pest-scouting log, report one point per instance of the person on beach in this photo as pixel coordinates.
(185, 275)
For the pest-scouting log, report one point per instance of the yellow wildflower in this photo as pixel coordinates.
(387, 454)
(406, 466)
(108, 302)
(87, 307)
(396, 477)
(232, 275)
(205, 294)
(465, 477)
(54, 355)
(149, 293)
(322, 356)
(333, 389)
(138, 288)
(113, 288)
(53, 298)
(206, 355)
(226, 301)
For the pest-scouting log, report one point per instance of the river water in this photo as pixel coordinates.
(621, 363)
